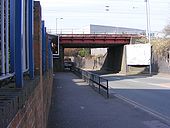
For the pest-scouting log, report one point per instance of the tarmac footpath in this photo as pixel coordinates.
(77, 105)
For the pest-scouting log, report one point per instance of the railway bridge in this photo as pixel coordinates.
(113, 42)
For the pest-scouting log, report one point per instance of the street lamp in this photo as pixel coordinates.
(58, 40)
(56, 24)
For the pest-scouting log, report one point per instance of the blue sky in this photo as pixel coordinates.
(122, 13)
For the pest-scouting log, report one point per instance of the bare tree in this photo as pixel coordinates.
(166, 30)
(70, 51)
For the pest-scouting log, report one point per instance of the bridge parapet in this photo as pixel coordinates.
(95, 40)
(101, 35)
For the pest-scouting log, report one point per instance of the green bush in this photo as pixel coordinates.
(83, 52)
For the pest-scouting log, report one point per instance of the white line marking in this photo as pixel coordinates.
(146, 109)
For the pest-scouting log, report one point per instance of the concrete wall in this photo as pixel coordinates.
(98, 51)
(89, 62)
(160, 64)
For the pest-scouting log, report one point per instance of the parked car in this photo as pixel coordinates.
(69, 65)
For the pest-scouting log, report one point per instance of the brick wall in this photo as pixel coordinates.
(47, 93)
(34, 113)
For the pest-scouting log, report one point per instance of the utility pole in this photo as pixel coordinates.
(148, 31)
(148, 28)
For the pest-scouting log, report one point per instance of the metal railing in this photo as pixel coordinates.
(7, 31)
(16, 41)
(93, 80)
(15, 38)
(87, 31)
(17, 56)
(4, 40)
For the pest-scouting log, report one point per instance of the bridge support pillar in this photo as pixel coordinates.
(113, 61)
(59, 62)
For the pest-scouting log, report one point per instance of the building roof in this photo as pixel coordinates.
(113, 29)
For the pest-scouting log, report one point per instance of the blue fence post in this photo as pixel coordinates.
(49, 54)
(30, 36)
(43, 47)
(18, 43)
(51, 58)
(12, 35)
(46, 48)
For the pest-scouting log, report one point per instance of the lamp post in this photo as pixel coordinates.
(58, 40)
(56, 24)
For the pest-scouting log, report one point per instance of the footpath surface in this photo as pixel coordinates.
(77, 105)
